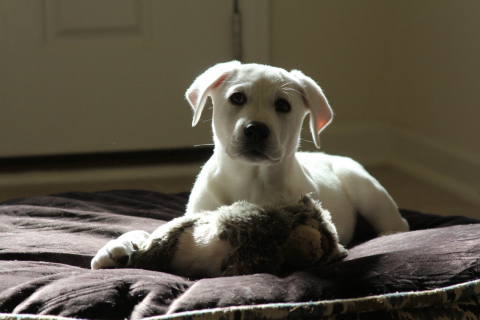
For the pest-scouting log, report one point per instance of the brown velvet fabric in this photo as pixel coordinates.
(46, 244)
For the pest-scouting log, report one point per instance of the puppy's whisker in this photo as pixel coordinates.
(289, 88)
(223, 137)
(288, 94)
(287, 83)
(204, 144)
(295, 90)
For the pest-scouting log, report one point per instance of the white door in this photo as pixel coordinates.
(79, 76)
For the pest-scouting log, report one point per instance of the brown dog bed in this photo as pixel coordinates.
(47, 243)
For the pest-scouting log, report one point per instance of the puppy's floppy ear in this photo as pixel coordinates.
(320, 112)
(201, 88)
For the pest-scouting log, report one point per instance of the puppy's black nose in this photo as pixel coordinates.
(256, 131)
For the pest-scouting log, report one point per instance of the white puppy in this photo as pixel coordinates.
(258, 112)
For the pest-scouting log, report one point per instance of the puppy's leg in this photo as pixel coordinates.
(370, 198)
(117, 253)
(161, 247)
(189, 246)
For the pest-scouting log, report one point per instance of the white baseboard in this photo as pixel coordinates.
(455, 170)
(448, 167)
(35, 178)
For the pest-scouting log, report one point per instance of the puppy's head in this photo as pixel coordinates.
(258, 110)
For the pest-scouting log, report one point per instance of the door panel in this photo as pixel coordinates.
(83, 76)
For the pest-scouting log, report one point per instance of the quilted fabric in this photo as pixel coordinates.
(46, 244)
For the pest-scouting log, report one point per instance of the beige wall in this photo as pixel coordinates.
(415, 64)
(437, 59)
(339, 44)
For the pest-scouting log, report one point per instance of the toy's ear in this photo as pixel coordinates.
(202, 87)
(320, 112)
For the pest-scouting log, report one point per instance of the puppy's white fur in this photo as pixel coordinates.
(275, 172)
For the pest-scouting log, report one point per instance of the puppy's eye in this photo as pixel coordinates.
(238, 99)
(282, 105)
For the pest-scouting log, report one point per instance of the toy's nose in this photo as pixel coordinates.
(256, 131)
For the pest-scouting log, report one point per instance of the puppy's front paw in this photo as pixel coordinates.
(387, 233)
(401, 227)
(117, 253)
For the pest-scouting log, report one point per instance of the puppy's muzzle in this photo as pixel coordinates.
(256, 133)
(254, 146)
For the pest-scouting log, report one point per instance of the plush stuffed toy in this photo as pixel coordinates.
(242, 238)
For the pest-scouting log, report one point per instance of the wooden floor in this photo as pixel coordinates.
(407, 191)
